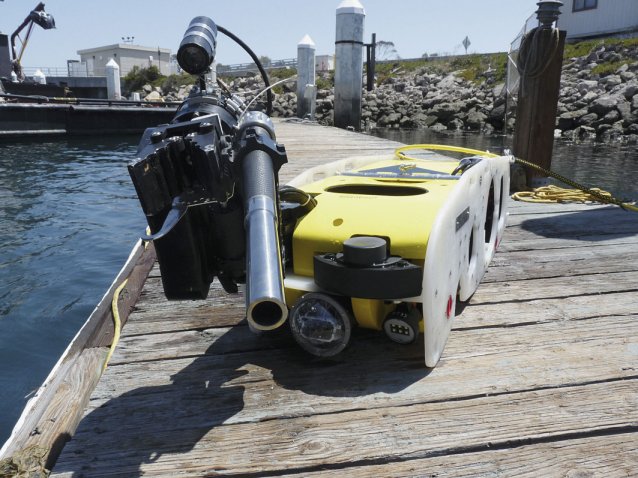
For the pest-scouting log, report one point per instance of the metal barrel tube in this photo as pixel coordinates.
(265, 302)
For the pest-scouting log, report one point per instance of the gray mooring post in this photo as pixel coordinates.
(540, 60)
(113, 89)
(349, 64)
(371, 62)
(306, 90)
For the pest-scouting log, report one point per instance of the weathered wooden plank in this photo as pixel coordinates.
(284, 383)
(64, 411)
(218, 310)
(603, 258)
(360, 436)
(221, 309)
(523, 296)
(520, 240)
(613, 456)
(554, 287)
(209, 314)
(103, 335)
(535, 311)
(462, 342)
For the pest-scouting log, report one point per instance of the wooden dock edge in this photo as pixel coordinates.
(51, 416)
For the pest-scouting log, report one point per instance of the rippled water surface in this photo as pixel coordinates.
(69, 218)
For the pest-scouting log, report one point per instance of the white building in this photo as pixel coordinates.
(598, 18)
(93, 60)
(324, 62)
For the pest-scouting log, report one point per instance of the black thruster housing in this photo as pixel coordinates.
(395, 278)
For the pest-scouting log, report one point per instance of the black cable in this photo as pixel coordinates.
(260, 67)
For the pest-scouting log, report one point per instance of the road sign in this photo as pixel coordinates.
(466, 43)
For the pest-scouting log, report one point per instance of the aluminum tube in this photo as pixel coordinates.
(265, 301)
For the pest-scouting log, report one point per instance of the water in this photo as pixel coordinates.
(69, 218)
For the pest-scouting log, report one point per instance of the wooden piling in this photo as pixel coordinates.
(538, 100)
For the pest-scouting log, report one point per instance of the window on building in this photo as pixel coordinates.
(580, 5)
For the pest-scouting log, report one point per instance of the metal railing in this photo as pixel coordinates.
(79, 71)
(82, 70)
(250, 67)
(47, 70)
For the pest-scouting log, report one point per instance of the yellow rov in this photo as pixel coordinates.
(389, 244)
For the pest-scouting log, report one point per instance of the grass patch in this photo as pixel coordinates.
(469, 67)
(324, 83)
(584, 48)
(607, 68)
(282, 73)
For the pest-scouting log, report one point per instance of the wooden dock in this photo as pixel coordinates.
(539, 376)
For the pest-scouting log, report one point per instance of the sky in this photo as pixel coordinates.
(272, 28)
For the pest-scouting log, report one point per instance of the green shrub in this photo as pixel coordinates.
(324, 83)
(175, 81)
(282, 73)
(138, 77)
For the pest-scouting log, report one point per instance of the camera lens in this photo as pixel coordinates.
(197, 50)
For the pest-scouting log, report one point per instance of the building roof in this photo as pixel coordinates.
(123, 46)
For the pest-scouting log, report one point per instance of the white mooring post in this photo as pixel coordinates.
(349, 64)
(306, 91)
(113, 89)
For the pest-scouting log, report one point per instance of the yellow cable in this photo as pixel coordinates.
(117, 323)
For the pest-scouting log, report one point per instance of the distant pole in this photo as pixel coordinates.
(371, 62)
(540, 60)
(159, 61)
(306, 91)
(113, 89)
(349, 64)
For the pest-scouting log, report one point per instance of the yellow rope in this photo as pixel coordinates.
(553, 193)
(117, 323)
